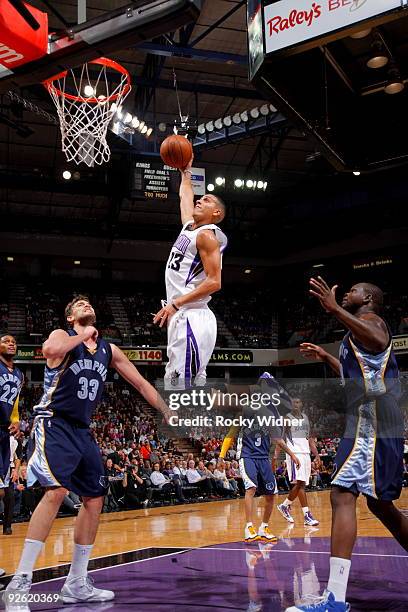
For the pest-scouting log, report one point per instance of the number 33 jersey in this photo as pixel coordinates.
(184, 268)
(73, 389)
(10, 387)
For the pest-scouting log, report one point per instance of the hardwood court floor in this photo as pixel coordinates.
(192, 525)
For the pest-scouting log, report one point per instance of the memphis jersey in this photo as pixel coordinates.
(372, 377)
(10, 387)
(184, 268)
(255, 442)
(297, 436)
(73, 389)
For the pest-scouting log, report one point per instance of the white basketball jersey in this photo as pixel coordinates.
(184, 268)
(297, 436)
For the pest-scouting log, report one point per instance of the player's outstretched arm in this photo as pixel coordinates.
(59, 343)
(368, 328)
(317, 352)
(132, 375)
(186, 194)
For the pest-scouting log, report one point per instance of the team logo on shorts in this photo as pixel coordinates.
(174, 378)
(270, 486)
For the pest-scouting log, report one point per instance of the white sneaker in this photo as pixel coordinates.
(310, 520)
(250, 534)
(285, 512)
(81, 589)
(266, 535)
(20, 583)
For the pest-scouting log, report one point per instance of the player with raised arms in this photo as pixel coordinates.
(65, 456)
(369, 458)
(193, 273)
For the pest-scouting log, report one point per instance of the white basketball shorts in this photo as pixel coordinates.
(191, 337)
(303, 473)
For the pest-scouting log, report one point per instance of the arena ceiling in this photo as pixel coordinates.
(211, 70)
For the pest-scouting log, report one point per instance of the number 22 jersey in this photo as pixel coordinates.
(11, 382)
(184, 268)
(73, 389)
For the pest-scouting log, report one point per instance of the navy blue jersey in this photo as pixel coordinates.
(10, 387)
(254, 442)
(372, 379)
(73, 389)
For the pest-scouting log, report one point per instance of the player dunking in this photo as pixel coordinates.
(193, 273)
(297, 437)
(369, 459)
(65, 456)
(11, 381)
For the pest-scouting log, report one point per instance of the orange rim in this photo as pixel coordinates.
(103, 61)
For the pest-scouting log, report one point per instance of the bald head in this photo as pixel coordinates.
(374, 293)
(364, 295)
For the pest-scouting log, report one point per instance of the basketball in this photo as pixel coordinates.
(176, 151)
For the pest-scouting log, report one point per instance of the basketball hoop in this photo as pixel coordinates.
(86, 102)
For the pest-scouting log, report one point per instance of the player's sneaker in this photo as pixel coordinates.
(266, 535)
(285, 512)
(20, 583)
(326, 603)
(81, 589)
(310, 521)
(250, 534)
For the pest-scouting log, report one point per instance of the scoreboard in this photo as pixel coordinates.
(154, 180)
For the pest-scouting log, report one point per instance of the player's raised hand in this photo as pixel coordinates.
(312, 350)
(90, 333)
(325, 294)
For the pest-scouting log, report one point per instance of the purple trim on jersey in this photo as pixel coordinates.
(192, 355)
(293, 471)
(195, 269)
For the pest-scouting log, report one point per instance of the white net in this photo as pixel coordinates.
(86, 99)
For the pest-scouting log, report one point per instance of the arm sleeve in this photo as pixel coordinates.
(228, 440)
(15, 416)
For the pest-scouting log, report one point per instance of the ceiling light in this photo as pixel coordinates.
(210, 187)
(378, 57)
(66, 175)
(89, 90)
(236, 118)
(264, 110)
(361, 34)
(77, 262)
(238, 183)
(10, 258)
(219, 181)
(135, 123)
(114, 107)
(149, 132)
(244, 116)
(128, 118)
(201, 128)
(273, 109)
(141, 125)
(227, 121)
(265, 185)
(254, 112)
(260, 185)
(250, 183)
(356, 172)
(209, 126)
(318, 266)
(163, 127)
(218, 124)
(395, 84)
(144, 129)
(248, 271)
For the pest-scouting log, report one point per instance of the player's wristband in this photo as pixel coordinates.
(174, 306)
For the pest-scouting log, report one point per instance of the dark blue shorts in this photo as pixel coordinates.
(4, 456)
(258, 473)
(373, 467)
(65, 455)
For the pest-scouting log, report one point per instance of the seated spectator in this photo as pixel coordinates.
(164, 483)
(136, 492)
(233, 473)
(281, 474)
(219, 474)
(203, 483)
(178, 469)
(145, 469)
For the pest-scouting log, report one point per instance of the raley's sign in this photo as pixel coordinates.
(292, 22)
